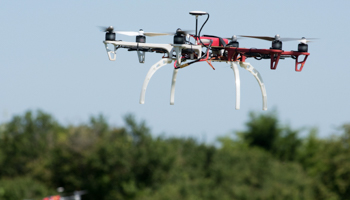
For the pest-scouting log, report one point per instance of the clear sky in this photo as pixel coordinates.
(52, 58)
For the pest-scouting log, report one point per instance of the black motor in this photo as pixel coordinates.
(302, 47)
(180, 37)
(110, 34)
(140, 39)
(233, 44)
(276, 44)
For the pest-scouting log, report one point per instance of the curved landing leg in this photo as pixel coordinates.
(234, 67)
(149, 75)
(172, 91)
(258, 77)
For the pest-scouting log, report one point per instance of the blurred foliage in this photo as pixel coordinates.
(23, 187)
(265, 161)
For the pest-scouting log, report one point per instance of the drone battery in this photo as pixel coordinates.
(302, 47)
(110, 36)
(140, 39)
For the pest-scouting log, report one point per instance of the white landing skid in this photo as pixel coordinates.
(234, 67)
(258, 77)
(149, 75)
(177, 48)
(172, 91)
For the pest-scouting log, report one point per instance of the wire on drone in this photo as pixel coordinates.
(201, 30)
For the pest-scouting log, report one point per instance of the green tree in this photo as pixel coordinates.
(266, 161)
(24, 140)
(23, 188)
(328, 160)
(264, 131)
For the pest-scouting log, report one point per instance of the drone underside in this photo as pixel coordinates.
(216, 49)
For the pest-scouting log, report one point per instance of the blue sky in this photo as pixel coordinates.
(52, 58)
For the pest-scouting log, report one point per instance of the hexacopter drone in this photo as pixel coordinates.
(216, 49)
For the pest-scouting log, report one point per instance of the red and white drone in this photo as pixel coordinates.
(205, 48)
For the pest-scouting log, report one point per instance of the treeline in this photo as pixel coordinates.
(265, 161)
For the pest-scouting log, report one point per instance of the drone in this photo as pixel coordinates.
(208, 48)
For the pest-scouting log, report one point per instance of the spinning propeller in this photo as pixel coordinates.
(110, 34)
(140, 35)
(277, 37)
(141, 32)
(234, 42)
(180, 36)
(277, 41)
(109, 29)
(233, 38)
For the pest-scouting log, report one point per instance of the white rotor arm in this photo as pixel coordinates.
(172, 91)
(234, 66)
(123, 44)
(258, 77)
(149, 75)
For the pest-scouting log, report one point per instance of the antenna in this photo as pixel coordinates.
(197, 13)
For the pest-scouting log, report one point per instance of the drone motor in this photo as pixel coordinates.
(302, 46)
(179, 37)
(110, 34)
(140, 39)
(234, 42)
(276, 43)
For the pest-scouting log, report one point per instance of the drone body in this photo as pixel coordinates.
(205, 48)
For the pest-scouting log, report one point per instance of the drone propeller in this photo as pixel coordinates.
(141, 32)
(109, 29)
(278, 38)
(180, 36)
(301, 40)
(233, 38)
(185, 32)
(110, 33)
(180, 31)
(234, 42)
